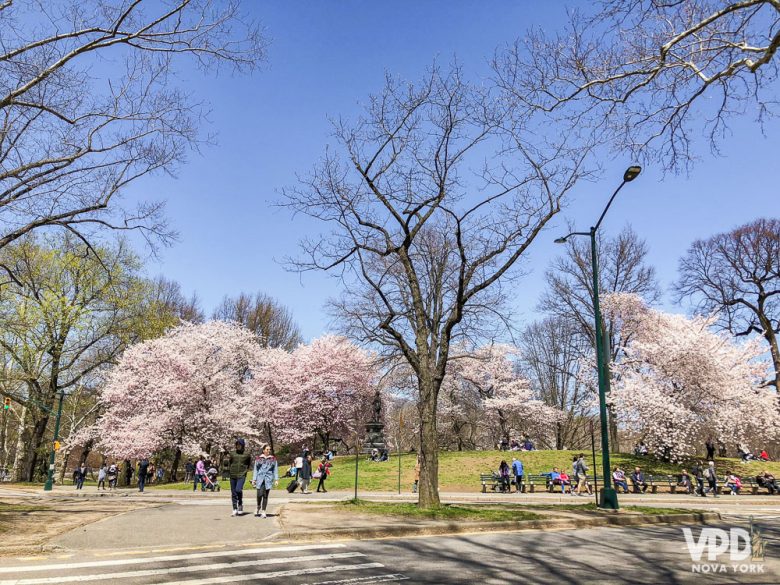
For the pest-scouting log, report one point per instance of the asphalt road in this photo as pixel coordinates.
(644, 555)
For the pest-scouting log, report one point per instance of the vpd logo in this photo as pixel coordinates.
(713, 544)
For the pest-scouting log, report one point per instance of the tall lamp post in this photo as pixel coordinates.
(50, 475)
(608, 494)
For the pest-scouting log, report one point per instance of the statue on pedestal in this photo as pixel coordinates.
(375, 437)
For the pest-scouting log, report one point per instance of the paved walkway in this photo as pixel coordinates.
(744, 504)
(603, 556)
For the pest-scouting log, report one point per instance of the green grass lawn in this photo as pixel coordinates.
(444, 512)
(459, 471)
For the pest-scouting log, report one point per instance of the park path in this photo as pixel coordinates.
(602, 556)
(331, 563)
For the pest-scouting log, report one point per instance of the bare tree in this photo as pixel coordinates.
(737, 275)
(622, 269)
(651, 74)
(166, 306)
(552, 353)
(88, 105)
(271, 321)
(436, 193)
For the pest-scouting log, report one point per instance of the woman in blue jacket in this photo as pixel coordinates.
(265, 475)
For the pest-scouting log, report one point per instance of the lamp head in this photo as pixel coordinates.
(560, 240)
(632, 173)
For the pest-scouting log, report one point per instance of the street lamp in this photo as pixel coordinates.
(608, 494)
(50, 475)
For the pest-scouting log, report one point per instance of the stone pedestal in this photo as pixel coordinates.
(375, 437)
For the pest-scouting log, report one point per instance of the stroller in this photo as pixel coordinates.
(210, 479)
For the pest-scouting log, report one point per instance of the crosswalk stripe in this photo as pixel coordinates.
(184, 569)
(167, 558)
(277, 574)
(366, 580)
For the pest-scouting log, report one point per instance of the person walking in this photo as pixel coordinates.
(712, 478)
(517, 469)
(102, 477)
(304, 474)
(265, 474)
(200, 472)
(698, 473)
(189, 469)
(143, 469)
(79, 475)
(113, 473)
(239, 463)
(323, 470)
(581, 473)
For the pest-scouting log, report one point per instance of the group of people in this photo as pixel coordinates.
(301, 470)
(578, 480)
(514, 445)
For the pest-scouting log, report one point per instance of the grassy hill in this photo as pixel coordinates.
(459, 471)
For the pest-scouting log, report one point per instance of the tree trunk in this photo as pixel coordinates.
(3, 440)
(613, 429)
(175, 464)
(64, 466)
(22, 444)
(428, 486)
(270, 437)
(36, 440)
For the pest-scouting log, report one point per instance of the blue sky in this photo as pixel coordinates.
(327, 57)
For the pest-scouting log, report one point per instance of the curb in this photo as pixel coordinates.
(476, 527)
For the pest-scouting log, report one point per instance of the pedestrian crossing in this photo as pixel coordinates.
(306, 564)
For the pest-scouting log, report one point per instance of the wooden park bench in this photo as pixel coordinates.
(490, 480)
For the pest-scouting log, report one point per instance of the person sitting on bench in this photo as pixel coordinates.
(638, 480)
(619, 479)
(767, 480)
(685, 481)
(733, 483)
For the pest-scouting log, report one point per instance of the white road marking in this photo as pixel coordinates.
(168, 558)
(277, 574)
(184, 569)
(366, 580)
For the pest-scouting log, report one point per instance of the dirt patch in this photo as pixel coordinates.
(27, 524)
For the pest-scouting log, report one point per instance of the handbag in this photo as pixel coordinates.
(316, 475)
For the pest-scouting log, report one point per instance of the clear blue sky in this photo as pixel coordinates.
(325, 58)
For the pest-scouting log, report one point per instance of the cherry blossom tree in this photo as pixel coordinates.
(487, 380)
(186, 391)
(680, 381)
(326, 387)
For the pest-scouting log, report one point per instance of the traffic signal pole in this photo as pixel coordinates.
(50, 479)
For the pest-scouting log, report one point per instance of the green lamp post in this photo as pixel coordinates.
(608, 497)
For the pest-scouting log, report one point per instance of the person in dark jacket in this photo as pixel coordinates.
(503, 473)
(239, 463)
(143, 468)
(638, 480)
(79, 475)
(323, 470)
(710, 446)
(304, 475)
